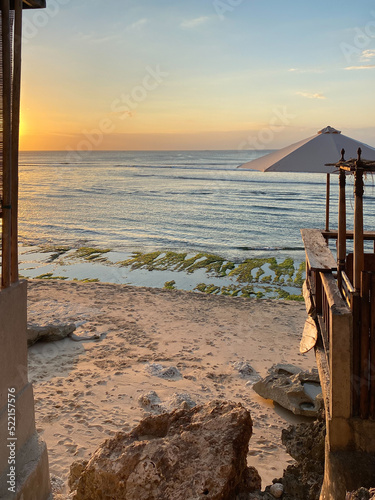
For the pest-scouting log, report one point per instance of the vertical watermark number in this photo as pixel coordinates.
(11, 440)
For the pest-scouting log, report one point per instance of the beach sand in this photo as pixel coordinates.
(183, 346)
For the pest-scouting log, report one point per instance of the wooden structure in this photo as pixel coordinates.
(23, 455)
(10, 71)
(340, 296)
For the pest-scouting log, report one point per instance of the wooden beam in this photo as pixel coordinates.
(7, 166)
(332, 235)
(358, 266)
(34, 4)
(372, 348)
(340, 341)
(318, 254)
(365, 344)
(341, 235)
(16, 95)
(327, 200)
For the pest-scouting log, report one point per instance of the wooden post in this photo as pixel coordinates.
(16, 95)
(7, 200)
(327, 200)
(356, 376)
(358, 264)
(340, 363)
(365, 344)
(341, 234)
(372, 348)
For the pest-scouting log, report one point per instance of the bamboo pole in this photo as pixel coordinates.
(341, 234)
(16, 96)
(358, 264)
(327, 200)
(6, 236)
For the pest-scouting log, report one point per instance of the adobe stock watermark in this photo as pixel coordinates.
(224, 6)
(39, 18)
(277, 123)
(361, 41)
(122, 107)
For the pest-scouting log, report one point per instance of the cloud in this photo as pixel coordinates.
(94, 38)
(193, 23)
(311, 96)
(353, 68)
(367, 55)
(305, 70)
(137, 25)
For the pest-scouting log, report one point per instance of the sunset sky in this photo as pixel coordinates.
(196, 74)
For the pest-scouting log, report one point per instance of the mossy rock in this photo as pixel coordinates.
(170, 285)
(89, 253)
(50, 276)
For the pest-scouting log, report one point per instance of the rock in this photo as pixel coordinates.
(151, 402)
(361, 494)
(76, 470)
(245, 370)
(49, 332)
(57, 484)
(276, 490)
(303, 481)
(305, 443)
(296, 390)
(260, 495)
(169, 373)
(189, 453)
(180, 400)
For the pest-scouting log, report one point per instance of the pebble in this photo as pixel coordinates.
(277, 490)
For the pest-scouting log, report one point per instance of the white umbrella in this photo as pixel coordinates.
(311, 155)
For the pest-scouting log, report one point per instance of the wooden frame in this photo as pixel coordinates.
(34, 4)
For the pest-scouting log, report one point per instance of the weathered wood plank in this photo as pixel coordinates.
(372, 348)
(322, 364)
(365, 344)
(356, 311)
(16, 93)
(332, 235)
(34, 4)
(309, 336)
(317, 252)
(338, 320)
(310, 307)
(6, 153)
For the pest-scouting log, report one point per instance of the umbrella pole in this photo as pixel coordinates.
(327, 201)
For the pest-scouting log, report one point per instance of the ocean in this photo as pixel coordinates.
(179, 201)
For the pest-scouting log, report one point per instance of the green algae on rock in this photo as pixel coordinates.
(56, 251)
(170, 285)
(50, 276)
(162, 261)
(89, 253)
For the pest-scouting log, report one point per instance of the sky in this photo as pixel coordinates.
(195, 74)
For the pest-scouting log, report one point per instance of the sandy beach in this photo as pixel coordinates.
(156, 349)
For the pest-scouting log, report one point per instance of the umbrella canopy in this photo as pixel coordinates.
(311, 154)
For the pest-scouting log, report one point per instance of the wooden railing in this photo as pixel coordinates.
(335, 322)
(334, 317)
(364, 349)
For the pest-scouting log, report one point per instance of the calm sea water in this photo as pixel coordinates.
(183, 201)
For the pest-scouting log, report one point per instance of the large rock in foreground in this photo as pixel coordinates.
(296, 390)
(196, 453)
(49, 332)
